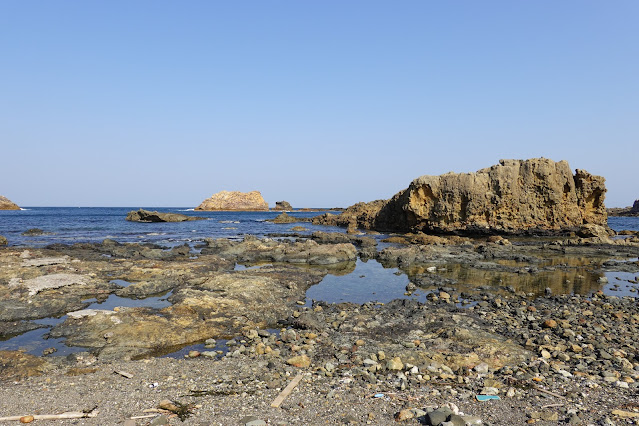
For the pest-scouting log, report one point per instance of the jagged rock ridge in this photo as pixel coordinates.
(516, 196)
(234, 200)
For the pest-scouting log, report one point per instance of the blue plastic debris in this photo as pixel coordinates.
(379, 395)
(486, 397)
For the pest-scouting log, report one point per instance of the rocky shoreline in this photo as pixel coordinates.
(549, 355)
(520, 306)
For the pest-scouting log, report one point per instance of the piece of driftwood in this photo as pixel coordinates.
(287, 391)
(548, 392)
(124, 374)
(552, 406)
(67, 415)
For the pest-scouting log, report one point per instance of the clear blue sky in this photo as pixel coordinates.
(320, 103)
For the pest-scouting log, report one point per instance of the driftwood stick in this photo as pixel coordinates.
(287, 391)
(548, 392)
(148, 416)
(552, 406)
(124, 374)
(67, 415)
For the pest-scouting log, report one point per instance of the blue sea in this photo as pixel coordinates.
(69, 225)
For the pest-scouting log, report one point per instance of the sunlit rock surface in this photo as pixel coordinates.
(234, 201)
(516, 196)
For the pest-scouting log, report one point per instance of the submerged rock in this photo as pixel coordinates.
(34, 232)
(235, 201)
(7, 204)
(147, 216)
(514, 197)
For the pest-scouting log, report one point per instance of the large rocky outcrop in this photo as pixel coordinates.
(514, 197)
(7, 204)
(625, 211)
(234, 200)
(147, 216)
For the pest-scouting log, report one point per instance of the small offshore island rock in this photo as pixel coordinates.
(283, 205)
(534, 196)
(147, 216)
(234, 201)
(625, 211)
(7, 204)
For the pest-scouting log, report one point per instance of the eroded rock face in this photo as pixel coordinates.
(513, 197)
(235, 201)
(7, 204)
(147, 216)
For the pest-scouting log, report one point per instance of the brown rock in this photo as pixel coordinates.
(6, 204)
(515, 196)
(395, 364)
(550, 323)
(16, 365)
(301, 361)
(168, 405)
(235, 201)
(284, 218)
(147, 216)
(283, 205)
(404, 414)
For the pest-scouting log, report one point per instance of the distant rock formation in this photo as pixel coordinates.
(7, 204)
(235, 201)
(625, 211)
(147, 216)
(283, 205)
(534, 196)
